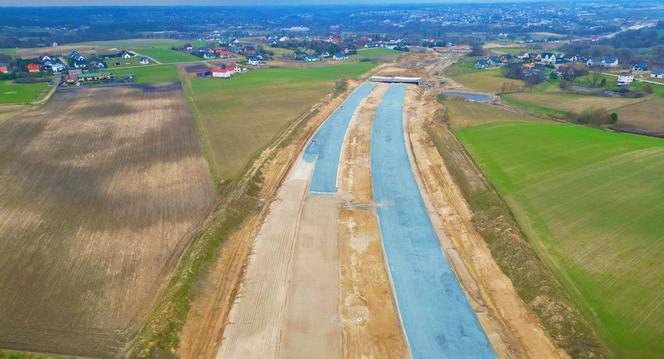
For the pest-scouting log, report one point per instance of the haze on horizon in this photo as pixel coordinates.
(50, 3)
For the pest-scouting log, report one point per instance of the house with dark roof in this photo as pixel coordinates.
(312, 58)
(602, 61)
(657, 73)
(254, 60)
(340, 56)
(640, 67)
(481, 64)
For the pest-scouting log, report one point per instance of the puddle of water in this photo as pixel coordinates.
(468, 96)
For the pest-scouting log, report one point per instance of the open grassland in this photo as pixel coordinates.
(9, 52)
(591, 203)
(657, 89)
(100, 192)
(558, 104)
(104, 47)
(166, 55)
(12, 93)
(241, 115)
(646, 116)
(120, 62)
(491, 80)
(376, 52)
(150, 73)
(461, 113)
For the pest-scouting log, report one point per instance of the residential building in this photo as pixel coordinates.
(625, 79)
(144, 61)
(226, 73)
(255, 60)
(640, 67)
(4, 68)
(33, 68)
(340, 56)
(657, 73)
(311, 58)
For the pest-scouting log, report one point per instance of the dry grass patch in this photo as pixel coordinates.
(461, 113)
(573, 103)
(647, 117)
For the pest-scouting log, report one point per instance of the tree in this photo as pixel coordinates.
(614, 118)
(647, 89)
(603, 82)
(595, 79)
(553, 76)
(476, 49)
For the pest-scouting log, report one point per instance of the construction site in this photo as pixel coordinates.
(367, 249)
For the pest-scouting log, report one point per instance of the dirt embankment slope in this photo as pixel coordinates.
(216, 291)
(513, 329)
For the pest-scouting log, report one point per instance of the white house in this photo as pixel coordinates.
(255, 60)
(125, 54)
(657, 73)
(144, 61)
(548, 58)
(523, 55)
(222, 72)
(58, 67)
(625, 79)
(340, 56)
(311, 58)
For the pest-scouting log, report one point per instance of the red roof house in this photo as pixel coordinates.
(32, 68)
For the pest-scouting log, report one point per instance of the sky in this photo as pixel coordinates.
(225, 2)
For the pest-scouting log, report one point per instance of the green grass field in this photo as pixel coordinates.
(241, 115)
(490, 80)
(150, 73)
(132, 61)
(11, 93)
(592, 204)
(166, 55)
(376, 52)
(10, 52)
(657, 89)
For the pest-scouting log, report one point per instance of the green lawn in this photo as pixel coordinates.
(490, 80)
(514, 50)
(10, 52)
(149, 73)
(11, 93)
(657, 90)
(241, 115)
(591, 202)
(132, 61)
(166, 55)
(376, 52)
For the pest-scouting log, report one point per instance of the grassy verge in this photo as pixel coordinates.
(532, 280)
(533, 108)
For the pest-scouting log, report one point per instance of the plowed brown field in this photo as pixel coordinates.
(100, 192)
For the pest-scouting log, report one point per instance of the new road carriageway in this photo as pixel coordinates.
(436, 316)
